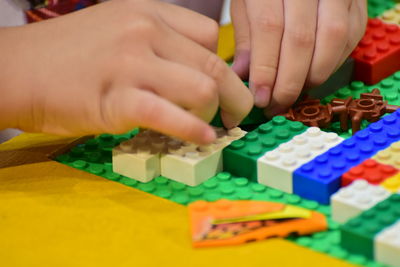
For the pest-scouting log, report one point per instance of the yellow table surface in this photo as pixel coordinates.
(54, 215)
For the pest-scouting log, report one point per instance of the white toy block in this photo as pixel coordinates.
(355, 198)
(275, 168)
(139, 157)
(387, 245)
(192, 165)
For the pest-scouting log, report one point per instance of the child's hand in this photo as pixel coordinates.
(293, 43)
(116, 66)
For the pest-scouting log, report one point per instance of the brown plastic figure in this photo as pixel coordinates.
(370, 107)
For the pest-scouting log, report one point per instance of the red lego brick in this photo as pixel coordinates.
(378, 53)
(371, 171)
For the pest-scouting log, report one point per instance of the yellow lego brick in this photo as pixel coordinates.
(392, 15)
(392, 184)
(389, 156)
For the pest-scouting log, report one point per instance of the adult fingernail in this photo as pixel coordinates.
(262, 96)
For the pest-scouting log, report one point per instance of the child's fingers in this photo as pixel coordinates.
(241, 24)
(331, 39)
(357, 23)
(182, 85)
(193, 25)
(266, 30)
(129, 108)
(296, 53)
(235, 99)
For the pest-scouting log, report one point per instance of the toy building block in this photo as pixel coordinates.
(342, 77)
(392, 184)
(275, 169)
(392, 15)
(387, 245)
(208, 231)
(390, 155)
(350, 201)
(192, 165)
(358, 234)
(370, 107)
(377, 7)
(139, 157)
(322, 174)
(378, 53)
(240, 157)
(371, 171)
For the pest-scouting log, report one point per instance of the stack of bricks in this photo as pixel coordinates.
(150, 154)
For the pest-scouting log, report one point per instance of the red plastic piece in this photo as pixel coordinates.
(378, 53)
(371, 171)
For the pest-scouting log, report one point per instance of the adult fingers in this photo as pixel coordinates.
(266, 29)
(331, 39)
(124, 109)
(296, 53)
(235, 98)
(241, 25)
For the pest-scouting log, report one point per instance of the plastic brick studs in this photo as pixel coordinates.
(392, 15)
(350, 201)
(378, 53)
(323, 173)
(275, 168)
(150, 154)
(240, 157)
(193, 165)
(390, 156)
(387, 245)
(358, 234)
(371, 171)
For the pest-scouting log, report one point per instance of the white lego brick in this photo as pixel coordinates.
(275, 168)
(139, 157)
(387, 245)
(192, 165)
(359, 196)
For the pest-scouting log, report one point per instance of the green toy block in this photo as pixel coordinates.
(339, 79)
(240, 157)
(256, 116)
(357, 235)
(377, 7)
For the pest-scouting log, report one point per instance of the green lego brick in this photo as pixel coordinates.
(390, 88)
(240, 157)
(377, 7)
(342, 77)
(357, 235)
(256, 116)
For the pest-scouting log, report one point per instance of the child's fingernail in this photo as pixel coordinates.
(262, 96)
(229, 121)
(209, 135)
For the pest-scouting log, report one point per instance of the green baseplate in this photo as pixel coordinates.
(95, 157)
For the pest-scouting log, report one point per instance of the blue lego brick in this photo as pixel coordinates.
(320, 178)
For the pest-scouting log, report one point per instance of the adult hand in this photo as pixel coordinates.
(290, 44)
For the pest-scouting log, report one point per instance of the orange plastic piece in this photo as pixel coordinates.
(206, 234)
